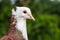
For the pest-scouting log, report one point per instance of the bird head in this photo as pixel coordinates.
(23, 12)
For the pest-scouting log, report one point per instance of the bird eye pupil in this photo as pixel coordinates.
(24, 12)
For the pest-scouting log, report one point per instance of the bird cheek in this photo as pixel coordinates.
(27, 17)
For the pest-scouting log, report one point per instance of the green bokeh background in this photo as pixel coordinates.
(47, 19)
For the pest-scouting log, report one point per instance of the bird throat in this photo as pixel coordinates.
(13, 30)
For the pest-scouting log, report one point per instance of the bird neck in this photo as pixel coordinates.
(21, 26)
(21, 23)
(16, 28)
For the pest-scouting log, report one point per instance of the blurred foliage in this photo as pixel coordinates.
(46, 13)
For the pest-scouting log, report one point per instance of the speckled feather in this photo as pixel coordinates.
(13, 33)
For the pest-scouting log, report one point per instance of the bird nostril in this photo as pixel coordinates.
(29, 16)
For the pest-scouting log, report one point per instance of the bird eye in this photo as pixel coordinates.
(24, 12)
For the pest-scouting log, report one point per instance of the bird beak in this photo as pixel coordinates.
(31, 17)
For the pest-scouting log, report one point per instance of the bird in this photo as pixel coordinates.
(17, 28)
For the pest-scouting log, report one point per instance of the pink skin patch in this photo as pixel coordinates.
(29, 16)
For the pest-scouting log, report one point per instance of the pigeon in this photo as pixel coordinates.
(17, 28)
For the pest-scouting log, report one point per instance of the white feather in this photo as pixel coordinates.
(21, 19)
(21, 26)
